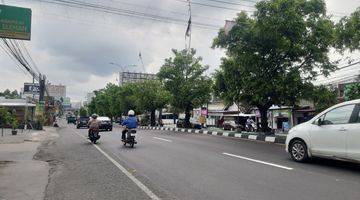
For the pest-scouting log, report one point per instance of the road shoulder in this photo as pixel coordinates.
(23, 177)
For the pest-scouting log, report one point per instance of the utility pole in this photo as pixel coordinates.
(42, 87)
(188, 30)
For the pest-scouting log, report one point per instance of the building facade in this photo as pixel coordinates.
(56, 91)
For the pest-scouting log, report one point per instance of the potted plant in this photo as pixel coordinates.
(14, 125)
(40, 121)
(5, 119)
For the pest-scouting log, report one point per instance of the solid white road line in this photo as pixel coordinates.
(123, 170)
(162, 139)
(258, 161)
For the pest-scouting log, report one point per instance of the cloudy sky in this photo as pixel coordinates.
(74, 46)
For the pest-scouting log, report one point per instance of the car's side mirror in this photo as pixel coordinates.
(319, 122)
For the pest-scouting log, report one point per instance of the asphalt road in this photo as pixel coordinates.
(192, 166)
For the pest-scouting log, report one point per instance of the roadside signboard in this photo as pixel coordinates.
(66, 102)
(31, 88)
(15, 22)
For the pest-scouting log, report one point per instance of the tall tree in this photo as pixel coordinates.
(352, 91)
(348, 32)
(183, 76)
(83, 111)
(323, 97)
(274, 54)
(151, 95)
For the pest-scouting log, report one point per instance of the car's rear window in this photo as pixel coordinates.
(103, 118)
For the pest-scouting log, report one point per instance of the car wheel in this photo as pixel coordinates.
(298, 151)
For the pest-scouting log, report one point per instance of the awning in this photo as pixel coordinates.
(17, 104)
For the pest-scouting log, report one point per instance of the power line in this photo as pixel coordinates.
(125, 12)
(232, 3)
(214, 6)
(165, 10)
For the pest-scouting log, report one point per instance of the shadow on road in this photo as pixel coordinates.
(335, 164)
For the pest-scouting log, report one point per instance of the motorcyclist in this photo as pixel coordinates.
(129, 123)
(93, 123)
(249, 123)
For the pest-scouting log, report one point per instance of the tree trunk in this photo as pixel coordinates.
(264, 119)
(187, 118)
(160, 117)
(152, 118)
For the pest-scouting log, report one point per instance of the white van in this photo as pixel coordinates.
(334, 133)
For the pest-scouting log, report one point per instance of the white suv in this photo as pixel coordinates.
(334, 133)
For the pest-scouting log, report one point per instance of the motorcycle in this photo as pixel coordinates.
(94, 135)
(250, 127)
(130, 138)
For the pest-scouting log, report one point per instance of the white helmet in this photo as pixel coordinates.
(131, 113)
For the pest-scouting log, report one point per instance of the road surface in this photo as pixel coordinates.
(168, 165)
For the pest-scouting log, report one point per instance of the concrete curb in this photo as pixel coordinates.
(263, 138)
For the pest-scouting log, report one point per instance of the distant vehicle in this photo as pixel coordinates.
(71, 120)
(232, 126)
(193, 123)
(168, 118)
(105, 124)
(82, 122)
(334, 133)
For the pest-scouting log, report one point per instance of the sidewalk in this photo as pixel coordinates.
(21, 176)
(277, 138)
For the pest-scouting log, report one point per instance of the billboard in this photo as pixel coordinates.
(66, 102)
(31, 88)
(15, 22)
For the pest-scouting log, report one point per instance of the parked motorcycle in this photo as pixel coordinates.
(250, 127)
(94, 135)
(130, 138)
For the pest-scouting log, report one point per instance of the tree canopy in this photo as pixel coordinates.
(274, 54)
(183, 76)
(149, 96)
(10, 94)
(348, 32)
(352, 91)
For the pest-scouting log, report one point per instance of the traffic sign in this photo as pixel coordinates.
(15, 22)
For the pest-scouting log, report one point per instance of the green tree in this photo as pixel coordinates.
(127, 99)
(183, 76)
(114, 101)
(83, 111)
(323, 98)
(274, 54)
(151, 95)
(348, 32)
(10, 95)
(5, 117)
(352, 91)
